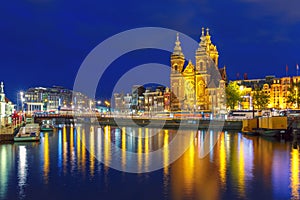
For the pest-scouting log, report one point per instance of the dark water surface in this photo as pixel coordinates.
(65, 164)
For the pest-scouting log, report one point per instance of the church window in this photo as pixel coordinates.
(201, 66)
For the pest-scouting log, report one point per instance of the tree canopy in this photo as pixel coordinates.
(233, 95)
(260, 99)
(293, 96)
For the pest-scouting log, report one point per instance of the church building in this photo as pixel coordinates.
(199, 86)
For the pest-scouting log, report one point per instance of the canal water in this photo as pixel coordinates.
(78, 163)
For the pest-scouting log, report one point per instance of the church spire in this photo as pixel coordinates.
(177, 49)
(207, 31)
(208, 40)
(2, 87)
(177, 57)
(202, 40)
(202, 32)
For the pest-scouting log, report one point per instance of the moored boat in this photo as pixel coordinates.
(31, 132)
(268, 132)
(47, 125)
(253, 133)
(250, 126)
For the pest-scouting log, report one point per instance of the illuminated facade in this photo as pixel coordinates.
(6, 107)
(200, 86)
(55, 99)
(278, 90)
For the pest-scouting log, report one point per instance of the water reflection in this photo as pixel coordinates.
(65, 149)
(92, 151)
(294, 177)
(223, 164)
(237, 167)
(6, 165)
(123, 148)
(22, 170)
(46, 158)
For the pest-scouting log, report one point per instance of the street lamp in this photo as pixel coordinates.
(107, 105)
(22, 100)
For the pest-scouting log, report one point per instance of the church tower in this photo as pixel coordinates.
(176, 79)
(211, 49)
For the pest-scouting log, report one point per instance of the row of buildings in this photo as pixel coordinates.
(278, 90)
(193, 87)
(54, 99)
(141, 99)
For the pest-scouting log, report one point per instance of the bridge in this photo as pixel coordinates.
(64, 118)
(138, 120)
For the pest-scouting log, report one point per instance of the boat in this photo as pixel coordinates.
(29, 132)
(269, 132)
(47, 125)
(265, 126)
(252, 133)
(249, 126)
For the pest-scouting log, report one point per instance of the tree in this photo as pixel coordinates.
(260, 99)
(233, 95)
(293, 96)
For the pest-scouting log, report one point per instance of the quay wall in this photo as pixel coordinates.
(173, 123)
(6, 137)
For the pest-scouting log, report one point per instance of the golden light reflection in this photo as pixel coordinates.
(295, 174)
(46, 158)
(123, 148)
(166, 152)
(71, 138)
(83, 152)
(106, 146)
(78, 145)
(189, 165)
(241, 167)
(65, 149)
(222, 154)
(92, 151)
(139, 150)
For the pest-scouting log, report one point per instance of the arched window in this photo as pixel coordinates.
(201, 65)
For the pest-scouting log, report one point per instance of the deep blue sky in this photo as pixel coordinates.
(43, 42)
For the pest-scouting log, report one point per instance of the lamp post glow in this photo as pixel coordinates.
(107, 105)
(22, 100)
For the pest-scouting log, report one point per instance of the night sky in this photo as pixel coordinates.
(44, 42)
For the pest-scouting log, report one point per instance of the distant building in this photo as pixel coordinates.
(154, 100)
(54, 99)
(6, 107)
(123, 103)
(119, 102)
(137, 103)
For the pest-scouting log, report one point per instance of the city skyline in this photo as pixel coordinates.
(45, 42)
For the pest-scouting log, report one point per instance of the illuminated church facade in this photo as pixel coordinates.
(199, 86)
